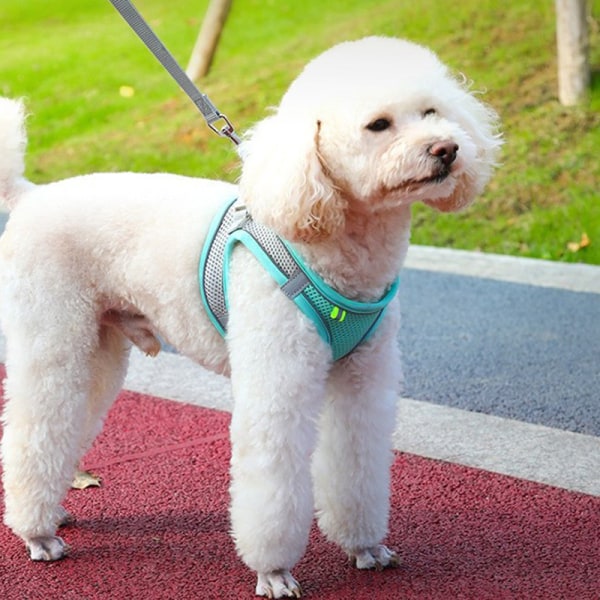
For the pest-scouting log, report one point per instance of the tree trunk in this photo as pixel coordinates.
(208, 38)
(572, 46)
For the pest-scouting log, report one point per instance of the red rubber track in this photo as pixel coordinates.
(158, 528)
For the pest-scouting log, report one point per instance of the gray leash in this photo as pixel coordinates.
(205, 106)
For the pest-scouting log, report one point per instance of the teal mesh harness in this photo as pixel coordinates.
(342, 323)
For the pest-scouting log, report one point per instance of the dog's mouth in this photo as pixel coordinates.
(411, 185)
(439, 177)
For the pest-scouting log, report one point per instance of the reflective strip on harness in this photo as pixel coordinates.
(342, 323)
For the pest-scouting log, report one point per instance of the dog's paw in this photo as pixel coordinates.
(47, 548)
(278, 584)
(377, 557)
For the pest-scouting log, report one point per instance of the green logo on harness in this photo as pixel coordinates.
(337, 315)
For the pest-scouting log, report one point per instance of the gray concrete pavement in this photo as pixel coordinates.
(514, 350)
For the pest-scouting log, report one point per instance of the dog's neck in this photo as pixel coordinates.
(363, 260)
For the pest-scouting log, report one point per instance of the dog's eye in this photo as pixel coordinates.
(379, 124)
(429, 112)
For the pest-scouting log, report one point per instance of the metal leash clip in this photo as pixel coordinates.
(226, 130)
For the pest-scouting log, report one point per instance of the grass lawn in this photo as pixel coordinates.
(70, 60)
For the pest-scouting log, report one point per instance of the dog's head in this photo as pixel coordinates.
(368, 126)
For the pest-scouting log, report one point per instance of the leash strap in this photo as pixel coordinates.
(209, 111)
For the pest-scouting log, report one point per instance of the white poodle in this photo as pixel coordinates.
(91, 264)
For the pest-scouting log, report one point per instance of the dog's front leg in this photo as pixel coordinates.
(278, 371)
(351, 465)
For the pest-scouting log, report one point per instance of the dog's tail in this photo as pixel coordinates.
(13, 141)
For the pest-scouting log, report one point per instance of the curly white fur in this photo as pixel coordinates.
(91, 264)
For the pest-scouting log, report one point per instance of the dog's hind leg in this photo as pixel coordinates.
(53, 358)
(108, 368)
(43, 421)
(351, 466)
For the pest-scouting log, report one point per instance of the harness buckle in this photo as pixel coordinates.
(240, 218)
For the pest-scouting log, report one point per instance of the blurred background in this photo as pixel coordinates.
(99, 101)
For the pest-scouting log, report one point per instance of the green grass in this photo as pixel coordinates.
(70, 58)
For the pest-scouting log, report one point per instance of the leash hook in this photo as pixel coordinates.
(209, 111)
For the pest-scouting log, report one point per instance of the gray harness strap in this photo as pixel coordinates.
(211, 274)
(235, 218)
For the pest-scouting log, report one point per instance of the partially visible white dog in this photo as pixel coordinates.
(91, 264)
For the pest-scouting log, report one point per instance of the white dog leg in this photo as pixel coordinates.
(279, 366)
(39, 451)
(273, 434)
(351, 467)
(53, 372)
(109, 368)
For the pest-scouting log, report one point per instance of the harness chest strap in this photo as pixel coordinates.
(341, 322)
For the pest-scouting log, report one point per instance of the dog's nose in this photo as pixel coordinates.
(445, 151)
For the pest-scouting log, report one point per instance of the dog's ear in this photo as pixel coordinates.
(284, 182)
(481, 124)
